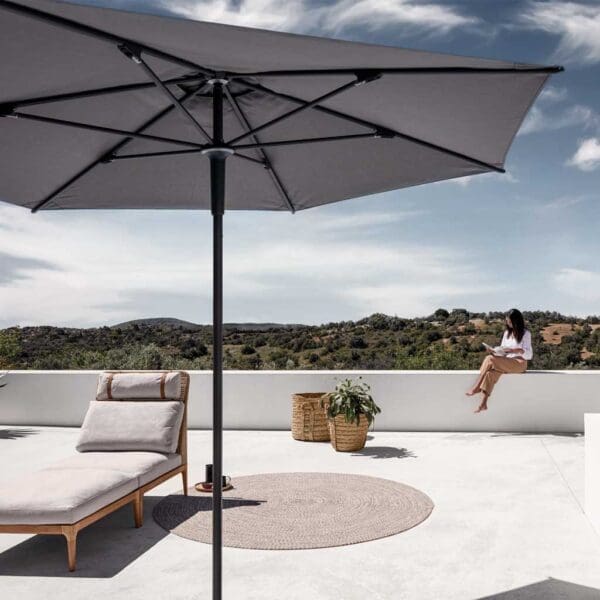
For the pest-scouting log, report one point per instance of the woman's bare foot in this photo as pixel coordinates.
(480, 408)
(473, 392)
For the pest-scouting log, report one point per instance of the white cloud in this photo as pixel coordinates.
(352, 273)
(551, 113)
(369, 277)
(91, 263)
(563, 202)
(577, 24)
(362, 221)
(587, 157)
(305, 16)
(116, 267)
(553, 94)
(376, 14)
(407, 299)
(483, 178)
(582, 284)
(538, 119)
(267, 14)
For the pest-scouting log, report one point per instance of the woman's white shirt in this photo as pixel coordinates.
(524, 344)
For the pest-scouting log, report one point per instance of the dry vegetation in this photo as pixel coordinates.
(444, 340)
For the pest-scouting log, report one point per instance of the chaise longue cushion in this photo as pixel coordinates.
(150, 426)
(79, 486)
(146, 466)
(61, 496)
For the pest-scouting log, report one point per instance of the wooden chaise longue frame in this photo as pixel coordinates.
(136, 497)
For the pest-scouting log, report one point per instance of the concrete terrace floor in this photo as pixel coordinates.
(507, 524)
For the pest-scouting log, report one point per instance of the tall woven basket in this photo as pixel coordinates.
(348, 437)
(309, 420)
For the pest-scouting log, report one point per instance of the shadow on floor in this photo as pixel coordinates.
(103, 549)
(537, 433)
(176, 509)
(188, 506)
(15, 434)
(550, 589)
(385, 452)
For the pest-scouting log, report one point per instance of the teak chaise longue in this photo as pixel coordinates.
(133, 438)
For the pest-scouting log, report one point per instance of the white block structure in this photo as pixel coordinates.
(538, 401)
(592, 469)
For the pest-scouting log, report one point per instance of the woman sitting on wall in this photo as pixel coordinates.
(510, 357)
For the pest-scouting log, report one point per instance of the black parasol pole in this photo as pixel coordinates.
(217, 155)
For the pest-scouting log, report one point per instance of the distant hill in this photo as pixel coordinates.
(172, 322)
(447, 339)
(261, 326)
(158, 321)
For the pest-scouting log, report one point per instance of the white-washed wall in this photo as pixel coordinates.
(592, 469)
(410, 400)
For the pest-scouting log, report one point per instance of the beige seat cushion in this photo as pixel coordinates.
(72, 489)
(146, 466)
(61, 496)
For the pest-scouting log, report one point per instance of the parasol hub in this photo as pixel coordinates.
(219, 79)
(217, 151)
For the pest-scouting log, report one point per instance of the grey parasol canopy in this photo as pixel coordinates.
(104, 109)
(404, 117)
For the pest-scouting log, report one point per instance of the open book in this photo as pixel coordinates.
(497, 351)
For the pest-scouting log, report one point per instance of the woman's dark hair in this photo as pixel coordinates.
(516, 329)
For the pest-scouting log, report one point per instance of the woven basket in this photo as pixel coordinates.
(309, 420)
(348, 437)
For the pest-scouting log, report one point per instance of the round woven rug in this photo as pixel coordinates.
(290, 511)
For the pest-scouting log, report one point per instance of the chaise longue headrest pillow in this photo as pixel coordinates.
(149, 425)
(130, 386)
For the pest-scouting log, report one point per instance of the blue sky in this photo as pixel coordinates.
(527, 239)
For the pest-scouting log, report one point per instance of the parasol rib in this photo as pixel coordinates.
(374, 126)
(103, 158)
(135, 54)
(101, 129)
(115, 89)
(305, 106)
(517, 68)
(239, 113)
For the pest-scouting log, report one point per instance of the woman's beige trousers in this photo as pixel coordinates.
(493, 367)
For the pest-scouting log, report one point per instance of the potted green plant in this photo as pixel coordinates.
(350, 412)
